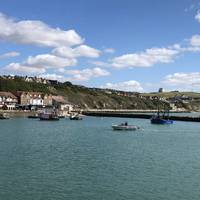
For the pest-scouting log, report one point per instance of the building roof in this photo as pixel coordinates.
(8, 94)
(19, 93)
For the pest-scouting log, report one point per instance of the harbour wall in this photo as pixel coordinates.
(138, 115)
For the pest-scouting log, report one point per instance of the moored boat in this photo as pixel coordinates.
(159, 120)
(49, 116)
(35, 116)
(4, 116)
(61, 116)
(75, 117)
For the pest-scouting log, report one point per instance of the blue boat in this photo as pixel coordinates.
(161, 119)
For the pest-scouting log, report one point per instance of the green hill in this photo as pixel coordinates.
(82, 96)
(172, 94)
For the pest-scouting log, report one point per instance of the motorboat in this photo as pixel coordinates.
(4, 116)
(125, 127)
(75, 117)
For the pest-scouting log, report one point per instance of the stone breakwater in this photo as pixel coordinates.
(130, 111)
(138, 115)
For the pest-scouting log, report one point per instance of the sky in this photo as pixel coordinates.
(131, 45)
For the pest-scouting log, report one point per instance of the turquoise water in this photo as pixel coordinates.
(86, 160)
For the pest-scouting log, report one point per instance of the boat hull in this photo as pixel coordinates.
(124, 128)
(49, 117)
(61, 117)
(161, 121)
(33, 117)
(75, 118)
(4, 116)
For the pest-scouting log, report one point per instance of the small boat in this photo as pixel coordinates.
(161, 119)
(49, 116)
(35, 116)
(61, 116)
(75, 117)
(125, 127)
(4, 116)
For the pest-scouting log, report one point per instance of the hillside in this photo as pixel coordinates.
(172, 94)
(79, 95)
(191, 105)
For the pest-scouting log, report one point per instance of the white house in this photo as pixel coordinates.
(62, 104)
(8, 101)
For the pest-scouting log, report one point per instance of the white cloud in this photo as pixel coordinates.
(77, 75)
(100, 63)
(66, 52)
(17, 68)
(49, 61)
(9, 55)
(186, 49)
(86, 51)
(109, 50)
(36, 33)
(131, 86)
(85, 74)
(145, 59)
(60, 78)
(80, 51)
(184, 81)
(152, 56)
(195, 40)
(39, 64)
(197, 16)
(191, 49)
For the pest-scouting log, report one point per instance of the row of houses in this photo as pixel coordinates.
(16, 100)
(31, 79)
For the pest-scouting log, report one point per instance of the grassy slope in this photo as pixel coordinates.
(172, 94)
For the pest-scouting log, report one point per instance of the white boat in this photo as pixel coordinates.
(75, 117)
(125, 127)
(4, 116)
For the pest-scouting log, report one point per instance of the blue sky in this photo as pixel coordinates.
(134, 45)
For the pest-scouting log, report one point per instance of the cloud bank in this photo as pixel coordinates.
(36, 33)
(130, 86)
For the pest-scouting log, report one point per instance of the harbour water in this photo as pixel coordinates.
(87, 160)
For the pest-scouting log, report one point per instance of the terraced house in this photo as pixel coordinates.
(8, 101)
(34, 99)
